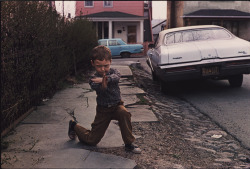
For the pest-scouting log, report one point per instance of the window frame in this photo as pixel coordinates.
(105, 6)
(87, 5)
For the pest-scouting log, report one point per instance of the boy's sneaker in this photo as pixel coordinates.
(132, 148)
(71, 132)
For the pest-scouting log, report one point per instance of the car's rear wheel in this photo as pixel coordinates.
(236, 80)
(125, 54)
(163, 87)
(154, 77)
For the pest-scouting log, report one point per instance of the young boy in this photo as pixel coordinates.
(109, 105)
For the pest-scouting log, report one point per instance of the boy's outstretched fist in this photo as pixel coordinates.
(104, 82)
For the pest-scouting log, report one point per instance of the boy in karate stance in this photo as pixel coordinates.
(109, 104)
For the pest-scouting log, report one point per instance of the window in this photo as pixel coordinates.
(104, 43)
(108, 3)
(112, 43)
(173, 38)
(187, 36)
(203, 34)
(170, 38)
(178, 37)
(88, 3)
(221, 34)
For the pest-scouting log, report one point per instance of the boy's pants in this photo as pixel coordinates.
(102, 119)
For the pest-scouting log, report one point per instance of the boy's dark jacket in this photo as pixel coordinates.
(111, 95)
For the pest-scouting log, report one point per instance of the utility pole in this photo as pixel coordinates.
(174, 13)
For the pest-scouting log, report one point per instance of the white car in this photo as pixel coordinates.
(199, 52)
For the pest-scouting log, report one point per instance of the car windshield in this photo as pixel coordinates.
(196, 35)
(122, 42)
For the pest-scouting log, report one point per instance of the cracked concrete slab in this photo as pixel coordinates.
(141, 113)
(80, 158)
(41, 139)
(124, 70)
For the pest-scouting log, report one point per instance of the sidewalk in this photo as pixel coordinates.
(41, 140)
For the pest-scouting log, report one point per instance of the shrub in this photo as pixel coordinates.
(38, 50)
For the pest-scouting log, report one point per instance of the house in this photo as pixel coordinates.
(233, 15)
(157, 26)
(117, 19)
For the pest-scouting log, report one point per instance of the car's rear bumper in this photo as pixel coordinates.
(223, 71)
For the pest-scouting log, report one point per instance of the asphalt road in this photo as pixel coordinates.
(228, 107)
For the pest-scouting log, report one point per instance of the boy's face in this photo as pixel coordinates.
(102, 67)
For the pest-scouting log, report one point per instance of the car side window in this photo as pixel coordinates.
(177, 37)
(118, 43)
(187, 36)
(104, 43)
(169, 38)
(112, 43)
(173, 38)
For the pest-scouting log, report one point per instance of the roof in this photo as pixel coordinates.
(111, 14)
(217, 13)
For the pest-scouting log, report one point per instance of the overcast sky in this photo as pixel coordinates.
(159, 9)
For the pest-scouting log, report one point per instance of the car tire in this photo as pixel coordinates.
(236, 80)
(163, 87)
(125, 55)
(154, 77)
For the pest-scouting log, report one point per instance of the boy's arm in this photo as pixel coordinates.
(114, 77)
(97, 82)
(93, 84)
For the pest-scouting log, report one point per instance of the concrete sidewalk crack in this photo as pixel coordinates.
(84, 159)
(72, 113)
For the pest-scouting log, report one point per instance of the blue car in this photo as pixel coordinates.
(119, 47)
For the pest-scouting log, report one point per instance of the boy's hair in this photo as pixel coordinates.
(101, 53)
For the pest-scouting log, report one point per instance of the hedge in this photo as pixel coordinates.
(39, 48)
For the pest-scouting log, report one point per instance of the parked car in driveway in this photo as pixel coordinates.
(119, 47)
(198, 52)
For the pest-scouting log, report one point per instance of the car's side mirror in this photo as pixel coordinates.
(151, 45)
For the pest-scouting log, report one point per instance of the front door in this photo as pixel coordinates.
(131, 34)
